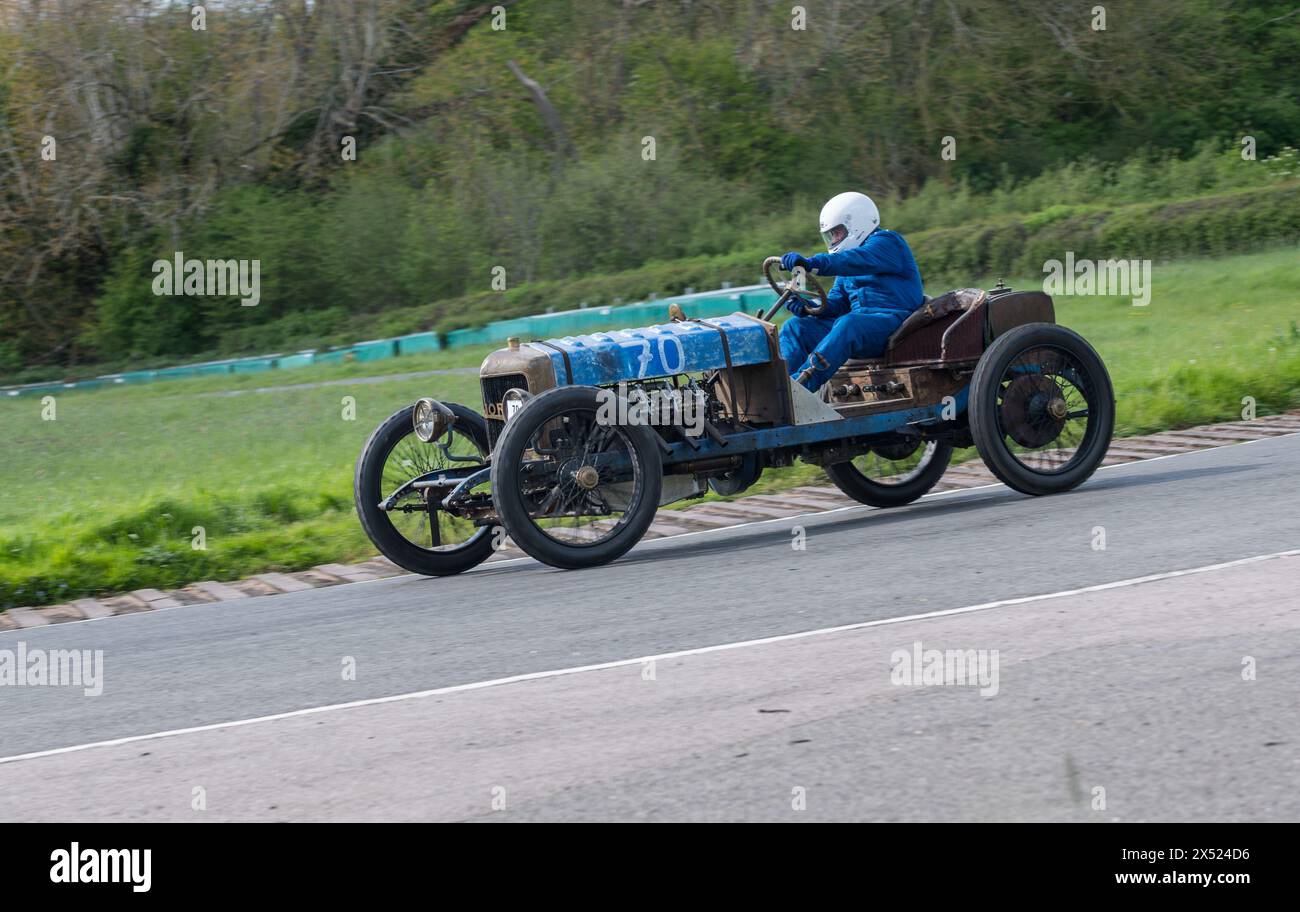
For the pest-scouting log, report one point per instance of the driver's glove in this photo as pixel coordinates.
(793, 259)
(796, 305)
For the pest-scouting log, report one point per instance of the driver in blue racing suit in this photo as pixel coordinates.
(877, 285)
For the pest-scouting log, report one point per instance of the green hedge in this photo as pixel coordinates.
(1210, 226)
(1214, 225)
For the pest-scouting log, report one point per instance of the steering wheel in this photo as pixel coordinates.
(814, 296)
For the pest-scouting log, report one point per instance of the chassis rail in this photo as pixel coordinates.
(462, 479)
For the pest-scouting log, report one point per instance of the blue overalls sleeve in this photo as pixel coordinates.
(880, 254)
(837, 301)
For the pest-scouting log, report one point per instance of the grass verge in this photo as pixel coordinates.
(115, 491)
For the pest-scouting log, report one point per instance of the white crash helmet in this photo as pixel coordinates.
(847, 219)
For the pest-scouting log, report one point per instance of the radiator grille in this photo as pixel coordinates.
(494, 388)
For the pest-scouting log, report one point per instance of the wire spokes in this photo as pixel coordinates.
(1045, 404)
(417, 515)
(896, 464)
(583, 501)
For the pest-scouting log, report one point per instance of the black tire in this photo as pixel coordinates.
(913, 483)
(368, 491)
(1026, 446)
(571, 405)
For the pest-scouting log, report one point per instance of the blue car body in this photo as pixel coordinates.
(626, 355)
(663, 350)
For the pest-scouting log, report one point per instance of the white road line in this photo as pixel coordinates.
(623, 663)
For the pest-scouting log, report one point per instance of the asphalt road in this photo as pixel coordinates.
(1148, 670)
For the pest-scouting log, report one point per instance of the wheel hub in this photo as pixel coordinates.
(1033, 410)
(587, 477)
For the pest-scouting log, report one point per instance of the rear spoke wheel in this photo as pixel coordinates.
(894, 472)
(896, 464)
(1042, 409)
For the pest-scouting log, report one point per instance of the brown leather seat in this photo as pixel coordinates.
(934, 309)
(938, 313)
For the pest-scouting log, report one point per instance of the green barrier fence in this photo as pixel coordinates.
(541, 326)
(375, 350)
(253, 365)
(418, 343)
(334, 356)
(298, 359)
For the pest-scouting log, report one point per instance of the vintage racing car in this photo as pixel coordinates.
(569, 461)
